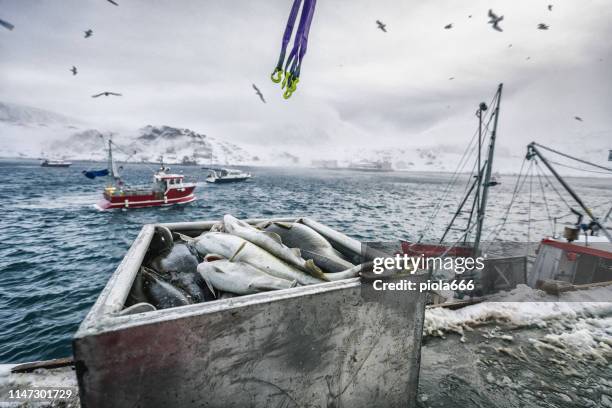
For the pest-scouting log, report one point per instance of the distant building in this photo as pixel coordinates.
(325, 164)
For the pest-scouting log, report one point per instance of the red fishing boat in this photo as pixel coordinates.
(166, 189)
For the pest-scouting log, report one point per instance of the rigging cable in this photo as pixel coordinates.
(462, 162)
(573, 158)
(551, 183)
(578, 168)
(552, 224)
(517, 188)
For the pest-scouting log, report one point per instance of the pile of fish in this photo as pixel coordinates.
(234, 258)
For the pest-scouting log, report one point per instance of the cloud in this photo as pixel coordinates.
(191, 63)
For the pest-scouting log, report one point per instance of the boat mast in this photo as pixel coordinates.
(487, 180)
(532, 150)
(111, 166)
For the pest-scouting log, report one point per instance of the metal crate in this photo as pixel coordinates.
(324, 345)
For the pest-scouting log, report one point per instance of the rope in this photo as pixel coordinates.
(517, 188)
(529, 212)
(462, 162)
(551, 183)
(574, 158)
(552, 225)
(578, 168)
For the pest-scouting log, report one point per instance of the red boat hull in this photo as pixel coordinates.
(173, 196)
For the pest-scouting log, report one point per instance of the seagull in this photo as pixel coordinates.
(494, 20)
(448, 26)
(112, 2)
(106, 94)
(88, 33)
(578, 118)
(6, 25)
(258, 92)
(543, 26)
(74, 70)
(381, 25)
(550, 7)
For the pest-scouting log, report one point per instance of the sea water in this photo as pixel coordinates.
(57, 251)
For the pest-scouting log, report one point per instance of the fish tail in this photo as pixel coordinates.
(237, 251)
(315, 271)
(184, 237)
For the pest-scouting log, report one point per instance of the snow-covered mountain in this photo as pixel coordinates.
(31, 132)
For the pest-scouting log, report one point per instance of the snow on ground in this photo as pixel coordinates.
(521, 307)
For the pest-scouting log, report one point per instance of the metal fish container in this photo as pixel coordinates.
(330, 344)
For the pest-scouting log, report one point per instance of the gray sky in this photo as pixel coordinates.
(191, 63)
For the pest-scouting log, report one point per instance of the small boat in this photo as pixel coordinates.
(226, 176)
(364, 165)
(54, 163)
(167, 189)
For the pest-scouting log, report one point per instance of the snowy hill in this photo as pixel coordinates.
(31, 132)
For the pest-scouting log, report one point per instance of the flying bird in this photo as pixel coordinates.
(6, 25)
(106, 94)
(258, 92)
(550, 7)
(74, 70)
(495, 20)
(509, 45)
(112, 2)
(381, 25)
(88, 33)
(528, 58)
(451, 78)
(578, 118)
(543, 26)
(448, 26)
(470, 16)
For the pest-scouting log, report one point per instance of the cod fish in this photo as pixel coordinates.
(178, 259)
(312, 244)
(240, 278)
(161, 241)
(272, 243)
(240, 250)
(160, 293)
(179, 266)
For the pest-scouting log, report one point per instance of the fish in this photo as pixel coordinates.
(162, 240)
(240, 250)
(179, 267)
(240, 278)
(179, 258)
(271, 242)
(137, 308)
(192, 285)
(328, 264)
(160, 293)
(347, 274)
(298, 235)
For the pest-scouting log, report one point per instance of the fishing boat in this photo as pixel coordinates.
(167, 189)
(364, 165)
(223, 175)
(55, 163)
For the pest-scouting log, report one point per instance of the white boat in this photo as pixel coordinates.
(364, 165)
(55, 163)
(223, 175)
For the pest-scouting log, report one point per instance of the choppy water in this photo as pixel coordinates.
(57, 252)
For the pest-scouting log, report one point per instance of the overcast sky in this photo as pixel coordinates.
(190, 63)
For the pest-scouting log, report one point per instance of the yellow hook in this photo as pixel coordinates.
(279, 73)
